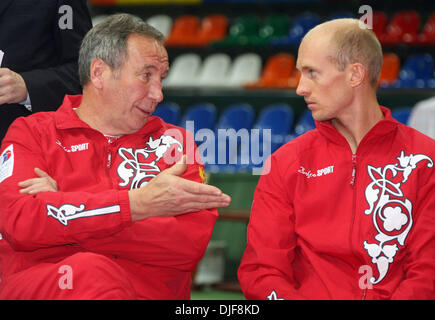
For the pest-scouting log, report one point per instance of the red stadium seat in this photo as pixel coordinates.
(427, 37)
(380, 21)
(404, 27)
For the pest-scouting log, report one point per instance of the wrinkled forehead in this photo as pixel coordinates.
(147, 48)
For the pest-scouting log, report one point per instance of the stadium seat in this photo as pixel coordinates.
(236, 116)
(293, 81)
(380, 21)
(202, 114)
(300, 26)
(279, 118)
(184, 31)
(417, 72)
(240, 31)
(390, 69)
(401, 114)
(404, 27)
(169, 112)
(305, 123)
(245, 68)
(161, 22)
(427, 36)
(213, 28)
(276, 72)
(274, 26)
(214, 70)
(184, 71)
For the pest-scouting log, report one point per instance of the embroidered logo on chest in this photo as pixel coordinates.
(391, 210)
(74, 148)
(141, 165)
(318, 173)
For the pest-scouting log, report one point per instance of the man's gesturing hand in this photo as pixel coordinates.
(169, 195)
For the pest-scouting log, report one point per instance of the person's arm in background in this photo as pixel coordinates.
(265, 271)
(47, 87)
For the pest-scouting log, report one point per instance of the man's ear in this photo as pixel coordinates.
(357, 74)
(99, 71)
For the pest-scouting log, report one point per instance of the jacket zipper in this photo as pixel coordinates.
(109, 161)
(352, 180)
(352, 184)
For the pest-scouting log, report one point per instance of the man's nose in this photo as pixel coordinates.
(302, 88)
(155, 91)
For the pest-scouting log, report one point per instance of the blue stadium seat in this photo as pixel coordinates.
(401, 115)
(236, 116)
(301, 25)
(305, 123)
(169, 112)
(202, 114)
(279, 118)
(417, 72)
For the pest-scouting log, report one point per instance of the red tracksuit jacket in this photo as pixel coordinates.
(91, 210)
(330, 224)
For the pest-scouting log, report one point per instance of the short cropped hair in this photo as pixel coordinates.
(108, 41)
(355, 43)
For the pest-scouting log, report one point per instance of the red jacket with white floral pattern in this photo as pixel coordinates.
(330, 224)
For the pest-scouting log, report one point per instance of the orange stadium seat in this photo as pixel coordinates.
(277, 70)
(293, 81)
(184, 31)
(213, 28)
(390, 68)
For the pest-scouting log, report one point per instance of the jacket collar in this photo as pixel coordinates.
(382, 128)
(66, 117)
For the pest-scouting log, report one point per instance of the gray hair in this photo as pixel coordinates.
(108, 41)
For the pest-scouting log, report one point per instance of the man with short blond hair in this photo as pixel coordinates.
(348, 209)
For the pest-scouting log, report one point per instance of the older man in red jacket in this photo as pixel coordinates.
(93, 204)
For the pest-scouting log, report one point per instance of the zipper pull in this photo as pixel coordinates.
(109, 160)
(352, 181)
